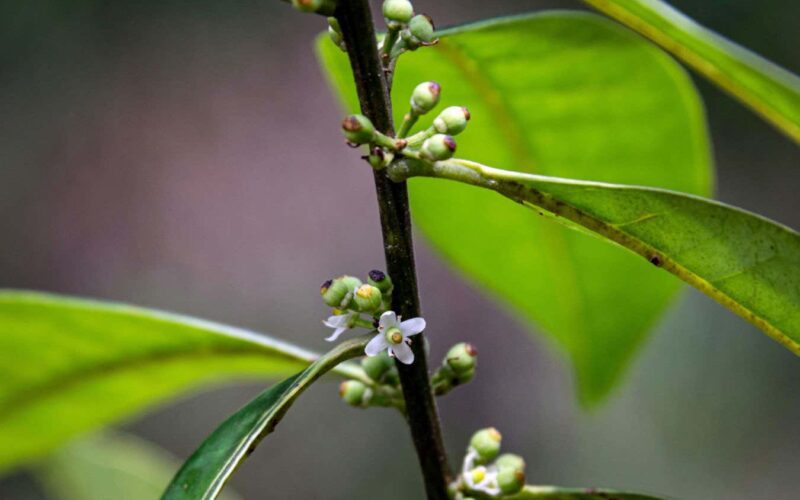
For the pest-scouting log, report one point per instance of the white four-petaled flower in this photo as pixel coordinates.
(393, 337)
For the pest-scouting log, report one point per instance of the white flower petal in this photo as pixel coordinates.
(336, 333)
(404, 353)
(412, 326)
(376, 345)
(338, 321)
(388, 319)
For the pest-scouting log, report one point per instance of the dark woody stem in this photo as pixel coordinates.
(355, 19)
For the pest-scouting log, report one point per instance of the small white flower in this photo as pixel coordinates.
(393, 336)
(340, 323)
(479, 478)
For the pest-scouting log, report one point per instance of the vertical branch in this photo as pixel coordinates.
(355, 20)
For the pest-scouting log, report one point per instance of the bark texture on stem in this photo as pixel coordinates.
(355, 19)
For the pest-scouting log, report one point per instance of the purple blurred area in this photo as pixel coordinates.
(185, 155)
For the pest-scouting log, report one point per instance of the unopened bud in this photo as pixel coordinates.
(397, 11)
(355, 393)
(452, 120)
(510, 480)
(368, 298)
(425, 97)
(320, 6)
(351, 281)
(438, 147)
(336, 293)
(380, 280)
(376, 367)
(486, 443)
(358, 129)
(461, 358)
(511, 461)
(421, 27)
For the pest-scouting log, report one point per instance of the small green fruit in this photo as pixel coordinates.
(439, 147)
(358, 129)
(335, 293)
(380, 280)
(425, 97)
(421, 27)
(376, 367)
(486, 443)
(510, 460)
(368, 298)
(355, 393)
(452, 120)
(462, 358)
(397, 11)
(510, 480)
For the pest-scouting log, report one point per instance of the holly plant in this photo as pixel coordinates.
(557, 159)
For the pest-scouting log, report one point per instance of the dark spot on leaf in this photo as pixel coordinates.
(655, 260)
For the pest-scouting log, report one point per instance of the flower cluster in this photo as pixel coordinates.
(366, 305)
(484, 472)
(435, 143)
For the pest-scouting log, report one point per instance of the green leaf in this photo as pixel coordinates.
(205, 473)
(746, 262)
(108, 465)
(569, 95)
(766, 88)
(70, 365)
(558, 493)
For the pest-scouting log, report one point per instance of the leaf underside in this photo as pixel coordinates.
(569, 95)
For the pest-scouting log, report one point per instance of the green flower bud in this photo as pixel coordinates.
(358, 129)
(421, 27)
(438, 147)
(321, 6)
(452, 120)
(336, 293)
(511, 461)
(425, 97)
(464, 377)
(368, 298)
(380, 280)
(351, 281)
(462, 358)
(486, 443)
(397, 11)
(376, 367)
(510, 480)
(355, 393)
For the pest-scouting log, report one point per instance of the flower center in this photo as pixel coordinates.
(478, 474)
(394, 336)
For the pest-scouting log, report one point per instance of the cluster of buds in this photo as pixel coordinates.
(382, 389)
(407, 30)
(487, 473)
(435, 143)
(350, 299)
(458, 367)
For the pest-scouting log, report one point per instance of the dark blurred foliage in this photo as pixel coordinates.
(185, 155)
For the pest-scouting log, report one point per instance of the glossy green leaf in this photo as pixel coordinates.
(205, 473)
(69, 365)
(557, 493)
(766, 88)
(570, 95)
(746, 262)
(109, 465)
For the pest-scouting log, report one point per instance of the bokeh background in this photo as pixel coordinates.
(185, 155)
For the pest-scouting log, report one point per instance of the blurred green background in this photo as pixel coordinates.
(185, 155)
